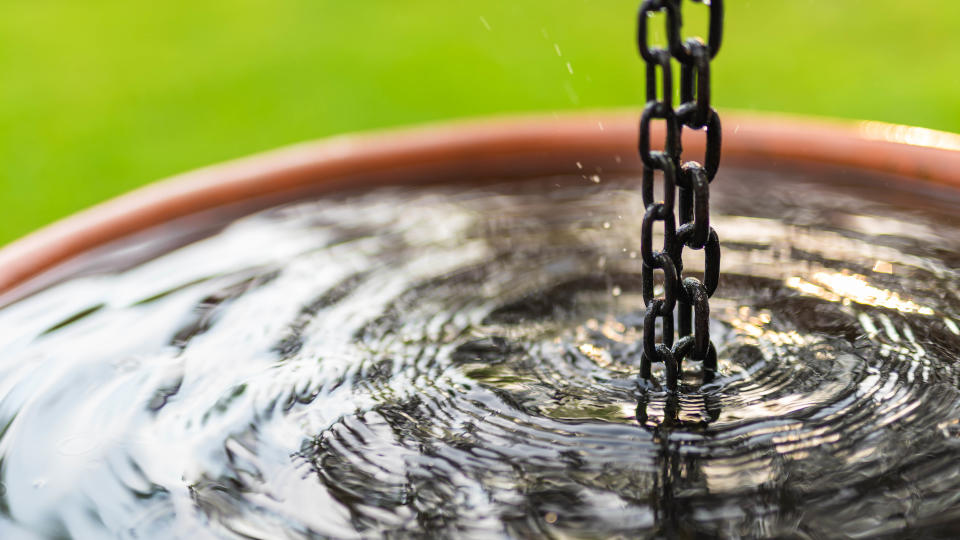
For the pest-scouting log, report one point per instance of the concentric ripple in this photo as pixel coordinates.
(463, 362)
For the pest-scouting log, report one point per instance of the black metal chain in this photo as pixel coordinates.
(685, 208)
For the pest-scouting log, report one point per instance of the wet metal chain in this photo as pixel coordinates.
(684, 211)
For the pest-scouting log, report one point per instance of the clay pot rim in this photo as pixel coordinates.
(545, 144)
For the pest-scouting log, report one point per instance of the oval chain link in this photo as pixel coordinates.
(685, 208)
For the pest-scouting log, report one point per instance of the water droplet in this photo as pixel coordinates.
(571, 93)
(569, 68)
(606, 224)
(595, 178)
(556, 47)
(616, 291)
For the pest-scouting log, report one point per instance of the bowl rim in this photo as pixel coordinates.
(544, 144)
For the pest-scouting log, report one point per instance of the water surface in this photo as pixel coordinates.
(463, 361)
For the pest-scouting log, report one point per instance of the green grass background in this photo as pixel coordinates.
(100, 96)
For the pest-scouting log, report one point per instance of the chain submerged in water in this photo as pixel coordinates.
(686, 186)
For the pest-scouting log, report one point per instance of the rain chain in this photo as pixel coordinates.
(684, 210)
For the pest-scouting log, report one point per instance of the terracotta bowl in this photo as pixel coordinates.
(194, 204)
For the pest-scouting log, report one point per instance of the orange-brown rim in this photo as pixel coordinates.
(503, 148)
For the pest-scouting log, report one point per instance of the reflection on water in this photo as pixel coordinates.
(843, 287)
(464, 363)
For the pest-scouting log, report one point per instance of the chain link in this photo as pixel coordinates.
(685, 208)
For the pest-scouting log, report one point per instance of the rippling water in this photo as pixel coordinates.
(464, 362)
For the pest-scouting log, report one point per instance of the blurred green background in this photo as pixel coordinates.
(100, 96)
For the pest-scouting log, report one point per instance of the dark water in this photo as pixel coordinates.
(463, 362)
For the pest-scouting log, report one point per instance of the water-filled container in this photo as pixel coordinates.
(436, 331)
